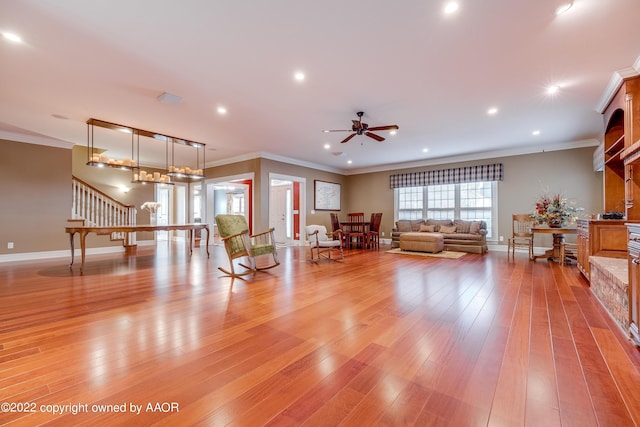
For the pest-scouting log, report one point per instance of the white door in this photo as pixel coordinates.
(280, 212)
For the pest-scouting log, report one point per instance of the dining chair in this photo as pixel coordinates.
(335, 225)
(320, 242)
(521, 235)
(373, 235)
(238, 243)
(356, 229)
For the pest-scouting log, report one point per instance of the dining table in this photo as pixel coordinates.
(558, 233)
(349, 226)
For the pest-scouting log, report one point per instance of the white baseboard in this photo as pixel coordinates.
(33, 256)
(504, 248)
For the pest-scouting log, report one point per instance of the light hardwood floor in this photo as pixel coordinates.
(377, 339)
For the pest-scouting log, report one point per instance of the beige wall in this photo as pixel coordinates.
(310, 175)
(36, 196)
(35, 202)
(262, 168)
(526, 177)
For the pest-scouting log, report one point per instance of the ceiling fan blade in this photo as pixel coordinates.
(374, 136)
(337, 130)
(390, 127)
(347, 138)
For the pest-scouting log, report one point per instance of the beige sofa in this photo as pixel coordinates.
(467, 236)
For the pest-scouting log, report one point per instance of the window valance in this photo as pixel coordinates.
(492, 172)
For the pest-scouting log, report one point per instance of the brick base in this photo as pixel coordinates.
(609, 283)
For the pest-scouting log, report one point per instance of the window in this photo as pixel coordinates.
(467, 201)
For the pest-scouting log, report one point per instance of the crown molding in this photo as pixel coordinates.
(34, 139)
(480, 156)
(275, 157)
(614, 84)
(51, 142)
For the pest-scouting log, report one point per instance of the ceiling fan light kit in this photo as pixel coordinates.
(360, 128)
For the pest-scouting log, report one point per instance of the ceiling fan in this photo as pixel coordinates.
(360, 128)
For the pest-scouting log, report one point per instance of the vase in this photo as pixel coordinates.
(153, 219)
(554, 223)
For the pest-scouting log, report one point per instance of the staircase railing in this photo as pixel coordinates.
(98, 209)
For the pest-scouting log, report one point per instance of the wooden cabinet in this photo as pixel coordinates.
(634, 282)
(583, 247)
(622, 150)
(606, 238)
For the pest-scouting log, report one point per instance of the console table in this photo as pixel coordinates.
(84, 230)
(558, 237)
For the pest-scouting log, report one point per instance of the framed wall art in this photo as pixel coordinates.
(326, 196)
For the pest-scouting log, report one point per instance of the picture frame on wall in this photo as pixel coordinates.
(326, 196)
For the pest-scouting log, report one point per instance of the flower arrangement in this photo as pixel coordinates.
(555, 211)
(150, 206)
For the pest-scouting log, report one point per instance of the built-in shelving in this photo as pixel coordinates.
(616, 147)
(614, 152)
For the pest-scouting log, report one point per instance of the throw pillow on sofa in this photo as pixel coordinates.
(447, 230)
(427, 228)
(439, 223)
(475, 227)
(405, 225)
(462, 226)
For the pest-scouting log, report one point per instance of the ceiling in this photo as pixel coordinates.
(404, 63)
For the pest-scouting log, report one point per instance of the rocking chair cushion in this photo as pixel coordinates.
(265, 249)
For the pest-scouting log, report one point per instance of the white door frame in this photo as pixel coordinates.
(207, 194)
(303, 203)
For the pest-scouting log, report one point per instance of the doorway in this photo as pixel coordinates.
(172, 210)
(165, 199)
(281, 211)
(286, 202)
(229, 195)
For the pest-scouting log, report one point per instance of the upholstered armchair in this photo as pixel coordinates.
(323, 243)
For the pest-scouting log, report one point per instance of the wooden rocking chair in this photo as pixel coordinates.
(238, 243)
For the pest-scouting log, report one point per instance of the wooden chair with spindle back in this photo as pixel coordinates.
(522, 236)
(356, 229)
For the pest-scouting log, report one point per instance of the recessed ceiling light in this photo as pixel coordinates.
(221, 110)
(564, 7)
(425, 150)
(12, 37)
(327, 146)
(349, 161)
(535, 133)
(553, 89)
(299, 76)
(451, 7)
(491, 111)
(392, 132)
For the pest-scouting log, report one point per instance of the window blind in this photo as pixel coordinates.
(492, 172)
